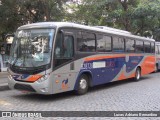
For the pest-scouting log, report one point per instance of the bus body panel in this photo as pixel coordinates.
(158, 55)
(158, 61)
(30, 83)
(113, 68)
(103, 69)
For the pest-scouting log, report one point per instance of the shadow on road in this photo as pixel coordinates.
(116, 83)
(4, 88)
(71, 94)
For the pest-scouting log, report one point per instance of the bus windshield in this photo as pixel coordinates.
(32, 48)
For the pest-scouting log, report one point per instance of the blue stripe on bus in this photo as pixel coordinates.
(112, 67)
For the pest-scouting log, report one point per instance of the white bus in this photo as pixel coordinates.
(55, 57)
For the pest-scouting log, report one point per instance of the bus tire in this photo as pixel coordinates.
(138, 74)
(83, 84)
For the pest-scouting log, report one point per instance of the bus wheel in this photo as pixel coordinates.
(138, 74)
(82, 85)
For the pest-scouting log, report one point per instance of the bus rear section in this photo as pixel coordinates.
(157, 49)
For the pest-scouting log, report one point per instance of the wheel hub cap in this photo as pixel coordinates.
(83, 84)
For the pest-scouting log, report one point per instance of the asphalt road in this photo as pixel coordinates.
(126, 95)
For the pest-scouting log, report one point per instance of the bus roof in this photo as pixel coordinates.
(74, 25)
(113, 29)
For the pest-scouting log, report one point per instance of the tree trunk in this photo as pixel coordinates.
(126, 22)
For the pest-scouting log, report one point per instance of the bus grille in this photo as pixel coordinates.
(24, 87)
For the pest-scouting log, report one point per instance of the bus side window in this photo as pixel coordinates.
(58, 46)
(118, 44)
(64, 49)
(68, 46)
(86, 41)
(158, 49)
(104, 43)
(130, 46)
(139, 46)
(152, 47)
(147, 47)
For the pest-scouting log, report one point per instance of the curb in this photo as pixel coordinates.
(4, 87)
(4, 77)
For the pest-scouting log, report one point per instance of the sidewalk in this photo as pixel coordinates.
(3, 81)
(3, 74)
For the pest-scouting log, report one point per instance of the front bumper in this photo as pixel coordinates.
(35, 87)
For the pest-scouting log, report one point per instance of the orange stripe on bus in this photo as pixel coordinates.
(148, 65)
(122, 76)
(107, 57)
(132, 75)
(34, 78)
(103, 57)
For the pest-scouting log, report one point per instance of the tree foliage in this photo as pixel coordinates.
(14, 13)
(137, 16)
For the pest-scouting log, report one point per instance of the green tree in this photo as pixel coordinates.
(137, 16)
(85, 12)
(146, 18)
(8, 16)
(14, 13)
(43, 10)
(104, 12)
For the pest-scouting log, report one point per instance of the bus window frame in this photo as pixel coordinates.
(65, 32)
(136, 46)
(104, 34)
(131, 39)
(119, 37)
(144, 42)
(85, 31)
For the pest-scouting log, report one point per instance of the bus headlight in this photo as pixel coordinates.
(43, 78)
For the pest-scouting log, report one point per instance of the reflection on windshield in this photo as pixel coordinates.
(32, 48)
